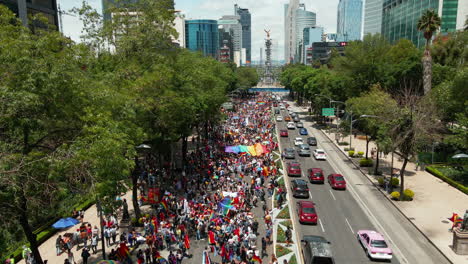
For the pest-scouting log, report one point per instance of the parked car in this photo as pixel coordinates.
(283, 133)
(312, 141)
(320, 154)
(289, 153)
(374, 245)
(287, 118)
(303, 132)
(296, 119)
(299, 125)
(291, 125)
(337, 181)
(279, 118)
(299, 188)
(306, 212)
(303, 150)
(294, 168)
(316, 175)
(298, 141)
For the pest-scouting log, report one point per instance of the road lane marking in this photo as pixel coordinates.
(310, 194)
(332, 195)
(369, 213)
(349, 225)
(320, 222)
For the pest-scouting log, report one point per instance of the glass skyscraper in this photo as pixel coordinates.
(400, 19)
(202, 35)
(304, 19)
(246, 22)
(349, 20)
(310, 35)
(25, 8)
(373, 16)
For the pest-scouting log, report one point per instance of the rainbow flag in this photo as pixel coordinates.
(159, 258)
(255, 258)
(164, 204)
(212, 215)
(241, 175)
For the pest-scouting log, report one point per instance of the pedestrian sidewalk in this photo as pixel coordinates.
(433, 203)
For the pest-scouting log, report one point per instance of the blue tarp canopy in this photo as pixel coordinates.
(65, 222)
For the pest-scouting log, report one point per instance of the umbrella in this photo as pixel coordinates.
(107, 262)
(459, 156)
(65, 222)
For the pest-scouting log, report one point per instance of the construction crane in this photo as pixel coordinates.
(61, 12)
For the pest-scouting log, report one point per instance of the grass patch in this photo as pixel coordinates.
(279, 164)
(281, 181)
(293, 260)
(284, 214)
(287, 223)
(280, 235)
(281, 251)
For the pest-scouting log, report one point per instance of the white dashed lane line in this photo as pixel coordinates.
(349, 225)
(321, 225)
(332, 195)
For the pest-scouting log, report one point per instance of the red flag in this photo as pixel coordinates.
(187, 242)
(211, 237)
(256, 259)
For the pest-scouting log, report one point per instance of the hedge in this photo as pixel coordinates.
(280, 235)
(366, 162)
(433, 170)
(281, 251)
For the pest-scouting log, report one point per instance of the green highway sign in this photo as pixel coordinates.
(328, 111)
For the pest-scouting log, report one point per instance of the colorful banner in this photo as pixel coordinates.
(254, 150)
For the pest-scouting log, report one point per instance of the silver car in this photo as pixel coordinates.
(299, 125)
(303, 150)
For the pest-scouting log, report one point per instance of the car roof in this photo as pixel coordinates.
(336, 174)
(317, 169)
(373, 235)
(300, 182)
(298, 138)
(319, 246)
(307, 204)
(288, 149)
(320, 150)
(304, 145)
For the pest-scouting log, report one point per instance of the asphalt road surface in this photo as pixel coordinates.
(342, 213)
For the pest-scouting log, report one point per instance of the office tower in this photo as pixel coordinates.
(290, 30)
(230, 28)
(373, 16)
(246, 22)
(349, 20)
(310, 35)
(304, 19)
(225, 53)
(25, 8)
(202, 35)
(179, 26)
(108, 4)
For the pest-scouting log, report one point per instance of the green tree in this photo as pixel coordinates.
(429, 23)
(247, 77)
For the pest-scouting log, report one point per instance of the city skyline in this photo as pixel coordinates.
(266, 14)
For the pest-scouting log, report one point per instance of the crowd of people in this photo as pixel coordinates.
(211, 199)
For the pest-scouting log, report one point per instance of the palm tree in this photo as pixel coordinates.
(428, 24)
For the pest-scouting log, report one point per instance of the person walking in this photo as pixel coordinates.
(264, 247)
(85, 255)
(288, 236)
(58, 245)
(94, 242)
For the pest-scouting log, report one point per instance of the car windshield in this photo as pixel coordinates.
(379, 244)
(304, 146)
(339, 178)
(318, 174)
(320, 152)
(308, 210)
(295, 168)
(289, 150)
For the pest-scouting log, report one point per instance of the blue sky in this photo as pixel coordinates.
(266, 14)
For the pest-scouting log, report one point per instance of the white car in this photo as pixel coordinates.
(291, 125)
(320, 154)
(282, 107)
(298, 141)
(279, 118)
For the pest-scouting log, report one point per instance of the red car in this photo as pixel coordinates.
(275, 104)
(306, 212)
(316, 175)
(283, 133)
(294, 169)
(337, 181)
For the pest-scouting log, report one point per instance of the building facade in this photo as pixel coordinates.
(246, 22)
(225, 53)
(179, 26)
(373, 16)
(230, 29)
(349, 20)
(202, 35)
(25, 8)
(109, 4)
(310, 36)
(321, 51)
(290, 30)
(304, 19)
